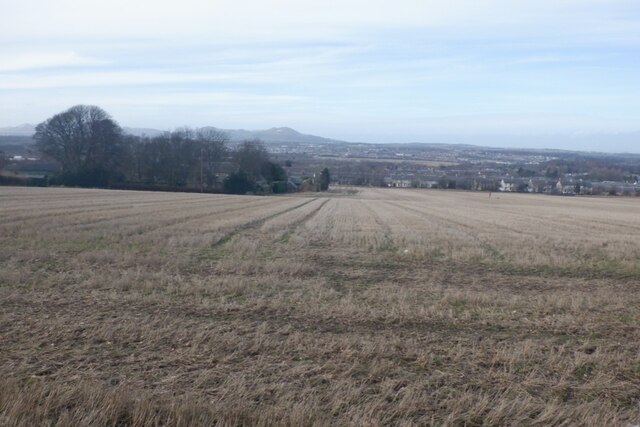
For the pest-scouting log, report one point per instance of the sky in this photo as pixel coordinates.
(552, 73)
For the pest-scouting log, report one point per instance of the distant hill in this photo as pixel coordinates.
(273, 135)
(22, 130)
(624, 142)
(143, 131)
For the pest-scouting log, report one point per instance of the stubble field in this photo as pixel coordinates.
(353, 307)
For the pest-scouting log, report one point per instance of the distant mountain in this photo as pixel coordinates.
(29, 129)
(275, 135)
(22, 130)
(270, 136)
(596, 142)
(143, 131)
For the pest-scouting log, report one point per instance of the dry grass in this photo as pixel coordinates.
(375, 307)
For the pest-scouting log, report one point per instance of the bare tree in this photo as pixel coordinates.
(250, 156)
(84, 139)
(212, 150)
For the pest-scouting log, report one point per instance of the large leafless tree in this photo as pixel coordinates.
(83, 138)
(250, 156)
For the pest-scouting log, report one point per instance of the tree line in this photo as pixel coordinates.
(93, 151)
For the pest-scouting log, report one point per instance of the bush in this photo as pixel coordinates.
(272, 172)
(238, 183)
(325, 179)
(279, 187)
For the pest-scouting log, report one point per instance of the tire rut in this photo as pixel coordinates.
(255, 224)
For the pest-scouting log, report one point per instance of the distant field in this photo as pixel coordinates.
(430, 163)
(353, 307)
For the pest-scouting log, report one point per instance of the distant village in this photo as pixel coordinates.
(466, 167)
(568, 186)
(436, 166)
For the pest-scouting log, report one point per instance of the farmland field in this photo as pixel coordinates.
(352, 307)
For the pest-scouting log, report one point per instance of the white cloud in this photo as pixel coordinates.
(200, 99)
(106, 79)
(39, 60)
(554, 58)
(307, 19)
(408, 65)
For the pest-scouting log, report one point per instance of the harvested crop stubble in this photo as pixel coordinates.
(357, 306)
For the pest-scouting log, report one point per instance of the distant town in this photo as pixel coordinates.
(417, 165)
(465, 167)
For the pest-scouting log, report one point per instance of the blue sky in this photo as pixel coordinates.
(375, 71)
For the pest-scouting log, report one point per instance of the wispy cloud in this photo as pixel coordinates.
(408, 65)
(554, 59)
(41, 60)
